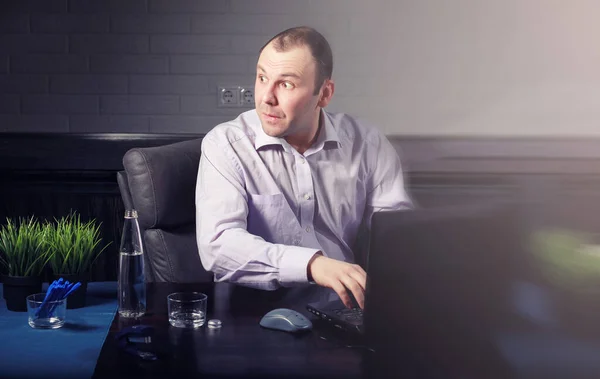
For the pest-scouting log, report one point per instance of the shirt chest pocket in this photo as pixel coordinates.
(270, 217)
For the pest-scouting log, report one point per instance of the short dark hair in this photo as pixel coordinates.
(317, 44)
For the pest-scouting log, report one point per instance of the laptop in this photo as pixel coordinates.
(475, 292)
(394, 240)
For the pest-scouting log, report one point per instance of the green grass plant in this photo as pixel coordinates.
(22, 247)
(73, 245)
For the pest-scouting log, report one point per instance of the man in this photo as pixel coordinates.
(283, 189)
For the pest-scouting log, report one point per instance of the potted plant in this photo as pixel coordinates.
(73, 246)
(24, 257)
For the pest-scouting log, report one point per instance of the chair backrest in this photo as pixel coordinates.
(159, 182)
(124, 189)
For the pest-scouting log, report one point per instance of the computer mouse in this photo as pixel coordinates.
(286, 320)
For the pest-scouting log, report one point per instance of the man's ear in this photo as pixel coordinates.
(326, 93)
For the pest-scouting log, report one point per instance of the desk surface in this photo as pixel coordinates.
(241, 348)
(68, 352)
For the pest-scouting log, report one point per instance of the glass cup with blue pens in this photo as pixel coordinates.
(49, 310)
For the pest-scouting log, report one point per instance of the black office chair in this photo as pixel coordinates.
(159, 182)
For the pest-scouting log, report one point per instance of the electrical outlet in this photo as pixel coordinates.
(247, 96)
(228, 97)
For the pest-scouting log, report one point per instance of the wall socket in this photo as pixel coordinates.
(228, 97)
(235, 96)
(247, 96)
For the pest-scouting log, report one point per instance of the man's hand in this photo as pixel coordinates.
(339, 276)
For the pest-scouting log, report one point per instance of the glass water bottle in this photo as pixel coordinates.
(132, 286)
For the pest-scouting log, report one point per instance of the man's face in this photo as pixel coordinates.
(284, 91)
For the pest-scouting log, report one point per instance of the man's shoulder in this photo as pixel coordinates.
(232, 131)
(355, 129)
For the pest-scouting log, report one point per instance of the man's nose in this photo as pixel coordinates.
(269, 96)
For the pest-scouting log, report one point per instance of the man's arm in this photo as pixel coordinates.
(225, 246)
(386, 192)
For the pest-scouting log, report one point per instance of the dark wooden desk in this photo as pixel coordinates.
(240, 349)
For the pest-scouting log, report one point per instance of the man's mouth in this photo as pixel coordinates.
(271, 117)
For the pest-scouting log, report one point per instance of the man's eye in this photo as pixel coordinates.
(287, 85)
(262, 79)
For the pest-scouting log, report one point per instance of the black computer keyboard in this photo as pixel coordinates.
(353, 314)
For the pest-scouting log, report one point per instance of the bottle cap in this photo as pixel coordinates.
(214, 323)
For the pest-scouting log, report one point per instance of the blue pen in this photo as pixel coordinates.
(49, 292)
(75, 286)
(51, 299)
(66, 290)
(47, 295)
(57, 296)
(50, 287)
(53, 305)
(57, 290)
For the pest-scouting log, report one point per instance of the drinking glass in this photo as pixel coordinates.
(187, 309)
(51, 316)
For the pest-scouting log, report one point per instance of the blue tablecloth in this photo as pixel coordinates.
(68, 352)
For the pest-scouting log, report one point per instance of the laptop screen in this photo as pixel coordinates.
(468, 293)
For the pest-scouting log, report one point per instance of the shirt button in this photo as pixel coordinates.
(302, 160)
(308, 229)
(307, 196)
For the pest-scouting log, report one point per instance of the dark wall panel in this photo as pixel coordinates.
(558, 182)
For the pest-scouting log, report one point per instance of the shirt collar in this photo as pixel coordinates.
(262, 139)
(326, 133)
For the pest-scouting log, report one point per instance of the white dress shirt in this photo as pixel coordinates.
(263, 210)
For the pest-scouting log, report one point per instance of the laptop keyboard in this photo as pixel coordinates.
(353, 314)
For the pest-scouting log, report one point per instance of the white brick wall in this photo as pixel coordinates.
(69, 23)
(19, 23)
(139, 104)
(3, 64)
(427, 67)
(63, 104)
(88, 84)
(33, 43)
(189, 6)
(108, 124)
(129, 64)
(190, 44)
(150, 23)
(109, 43)
(109, 6)
(34, 123)
(9, 104)
(48, 64)
(23, 84)
(168, 84)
